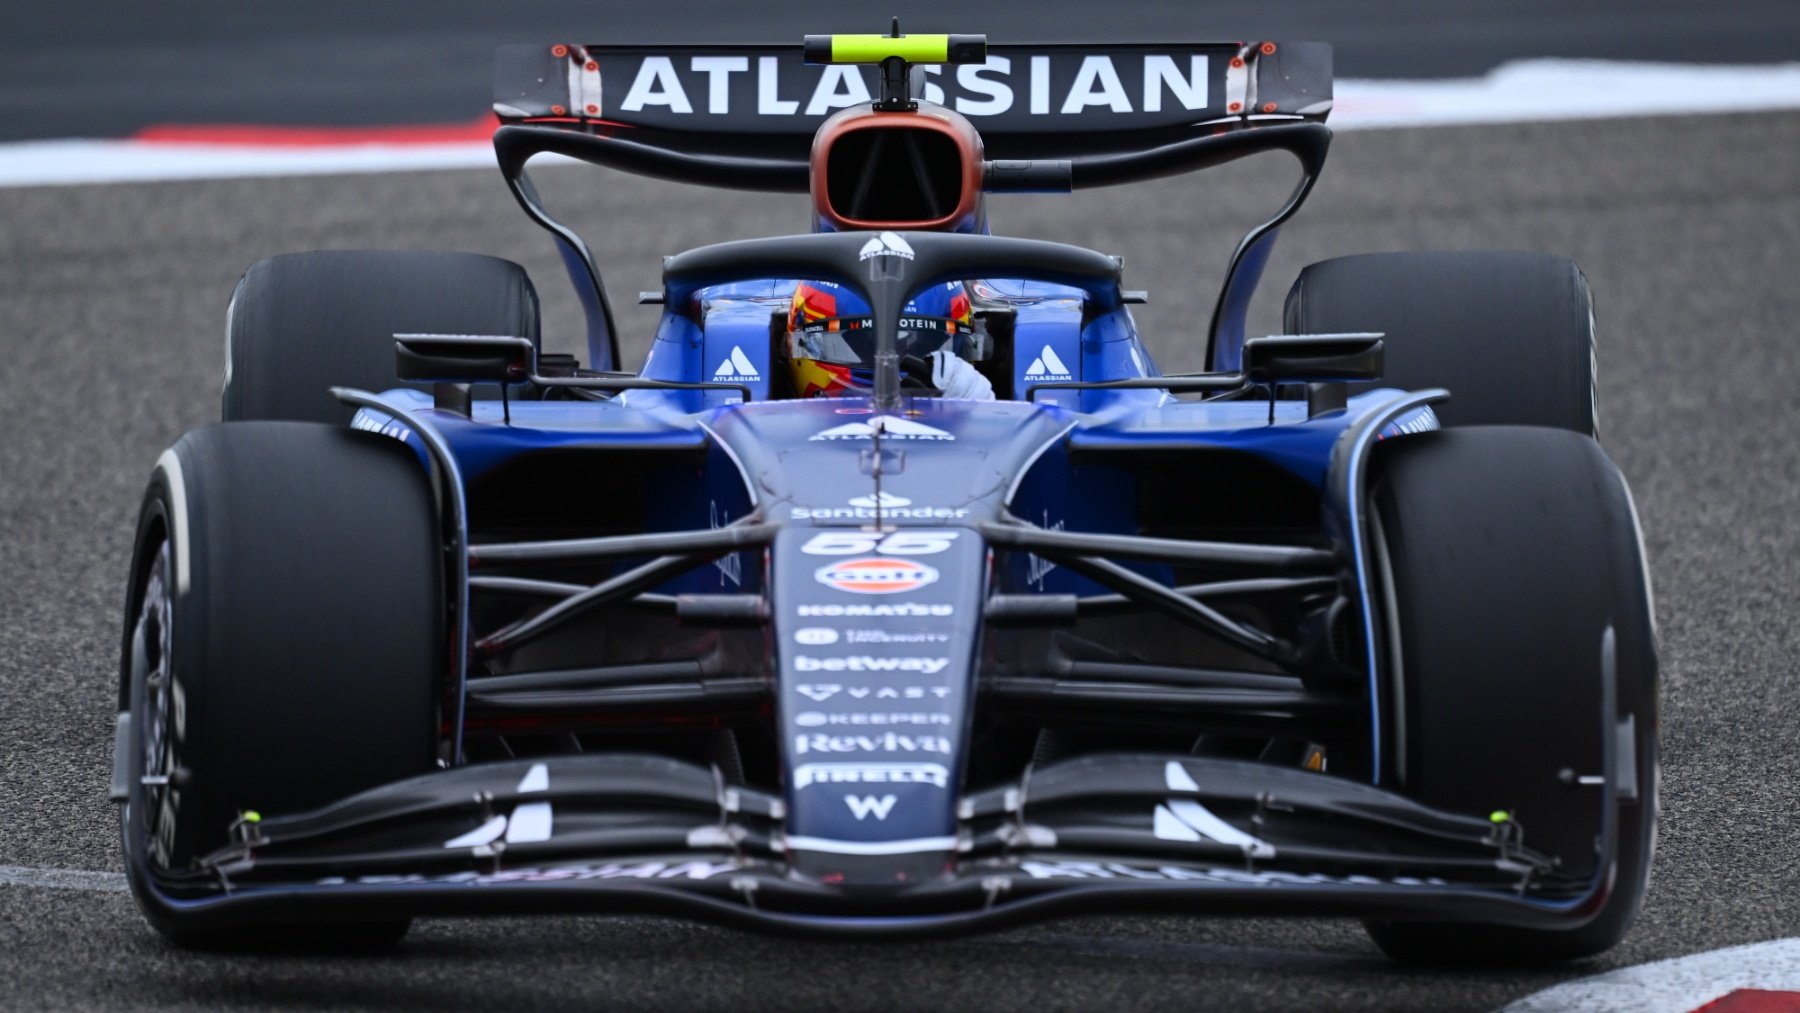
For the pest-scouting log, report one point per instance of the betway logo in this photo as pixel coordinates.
(929, 666)
(737, 368)
(892, 428)
(890, 742)
(886, 244)
(1048, 366)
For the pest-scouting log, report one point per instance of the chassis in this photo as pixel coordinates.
(899, 664)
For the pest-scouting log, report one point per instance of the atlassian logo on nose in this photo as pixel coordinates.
(892, 428)
(886, 244)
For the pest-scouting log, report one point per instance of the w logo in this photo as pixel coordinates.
(863, 805)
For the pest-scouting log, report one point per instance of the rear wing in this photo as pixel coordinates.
(1052, 118)
(1029, 101)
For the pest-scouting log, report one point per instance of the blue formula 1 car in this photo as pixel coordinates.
(898, 591)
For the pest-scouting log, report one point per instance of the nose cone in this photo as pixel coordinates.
(876, 640)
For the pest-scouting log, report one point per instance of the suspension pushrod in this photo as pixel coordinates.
(1104, 604)
(716, 541)
(1170, 675)
(1064, 544)
(646, 673)
(1191, 611)
(623, 585)
(526, 586)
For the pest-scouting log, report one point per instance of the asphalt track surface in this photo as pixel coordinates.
(106, 68)
(110, 333)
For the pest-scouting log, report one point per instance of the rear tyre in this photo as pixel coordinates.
(284, 644)
(302, 323)
(1505, 555)
(1511, 334)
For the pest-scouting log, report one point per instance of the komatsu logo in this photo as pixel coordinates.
(898, 610)
(886, 244)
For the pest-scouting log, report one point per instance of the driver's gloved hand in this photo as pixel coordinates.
(944, 370)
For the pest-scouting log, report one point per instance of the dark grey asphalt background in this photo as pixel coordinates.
(108, 67)
(111, 308)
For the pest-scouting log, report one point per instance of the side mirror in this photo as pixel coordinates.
(463, 358)
(1313, 358)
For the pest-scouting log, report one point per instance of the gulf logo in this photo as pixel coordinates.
(876, 575)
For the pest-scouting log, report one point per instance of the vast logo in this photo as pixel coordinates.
(737, 368)
(1048, 367)
(863, 806)
(871, 773)
(823, 691)
(886, 244)
(892, 428)
(874, 575)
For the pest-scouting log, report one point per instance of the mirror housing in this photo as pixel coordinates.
(1313, 358)
(463, 358)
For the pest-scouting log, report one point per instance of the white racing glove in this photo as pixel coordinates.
(957, 378)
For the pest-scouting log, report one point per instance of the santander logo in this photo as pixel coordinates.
(876, 575)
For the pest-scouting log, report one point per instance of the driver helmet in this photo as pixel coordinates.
(830, 344)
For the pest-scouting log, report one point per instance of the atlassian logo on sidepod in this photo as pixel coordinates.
(876, 575)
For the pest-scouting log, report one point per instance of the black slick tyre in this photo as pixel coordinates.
(1511, 577)
(302, 323)
(1509, 333)
(284, 647)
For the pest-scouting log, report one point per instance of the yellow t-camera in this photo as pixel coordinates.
(911, 48)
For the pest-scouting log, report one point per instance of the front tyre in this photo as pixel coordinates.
(284, 645)
(1512, 575)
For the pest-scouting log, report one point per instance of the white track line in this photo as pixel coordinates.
(63, 879)
(1675, 986)
(1521, 91)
